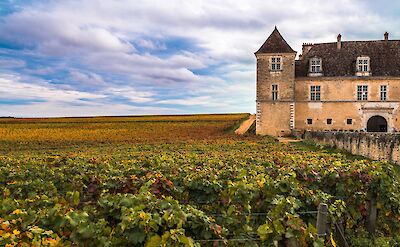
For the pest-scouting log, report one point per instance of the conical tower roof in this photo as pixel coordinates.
(275, 44)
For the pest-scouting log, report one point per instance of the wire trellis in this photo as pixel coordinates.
(245, 239)
(256, 239)
(259, 214)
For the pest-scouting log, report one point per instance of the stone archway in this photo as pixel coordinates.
(377, 124)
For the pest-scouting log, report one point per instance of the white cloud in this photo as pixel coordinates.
(131, 94)
(11, 87)
(56, 32)
(51, 109)
(203, 100)
(150, 69)
(86, 79)
(49, 101)
(151, 45)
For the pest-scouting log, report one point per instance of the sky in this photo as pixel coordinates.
(134, 57)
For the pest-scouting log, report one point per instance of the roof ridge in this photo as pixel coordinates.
(348, 41)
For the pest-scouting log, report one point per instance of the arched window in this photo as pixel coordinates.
(315, 66)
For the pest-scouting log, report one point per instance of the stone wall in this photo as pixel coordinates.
(377, 146)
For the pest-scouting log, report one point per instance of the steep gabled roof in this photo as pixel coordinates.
(275, 44)
(384, 58)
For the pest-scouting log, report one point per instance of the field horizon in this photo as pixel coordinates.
(123, 116)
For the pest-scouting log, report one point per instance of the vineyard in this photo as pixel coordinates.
(183, 181)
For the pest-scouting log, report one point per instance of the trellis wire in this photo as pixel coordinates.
(259, 214)
(244, 239)
(228, 240)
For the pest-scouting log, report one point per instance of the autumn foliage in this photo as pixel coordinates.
(181, 181)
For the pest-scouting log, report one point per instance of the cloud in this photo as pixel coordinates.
(131, 94)
(194, 56)
(151, 70)
(45, 100)
(203, 100)
(55, 32)
(87, 79)
(11, 63)
(151, 45)
(12, 88)
(47, 109)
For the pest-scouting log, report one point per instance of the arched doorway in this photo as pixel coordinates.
(377, 124)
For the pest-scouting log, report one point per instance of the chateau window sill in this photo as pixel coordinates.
(315, 74)
(361, 74)
(275, 71)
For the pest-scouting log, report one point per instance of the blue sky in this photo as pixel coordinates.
(103, 57)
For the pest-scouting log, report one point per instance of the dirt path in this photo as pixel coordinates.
(245, 125)
(287, 140)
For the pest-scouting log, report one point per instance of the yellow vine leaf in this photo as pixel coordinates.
(333, 241)
(17, 211)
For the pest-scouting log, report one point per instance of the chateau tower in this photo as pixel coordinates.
(275, 87)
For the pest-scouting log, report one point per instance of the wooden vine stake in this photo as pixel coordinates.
(322, 219)
(371, 226)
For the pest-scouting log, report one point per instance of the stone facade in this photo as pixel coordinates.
(291, 107)
(266, 106)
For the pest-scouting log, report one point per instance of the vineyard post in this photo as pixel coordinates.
(322, 219)
(372, 214)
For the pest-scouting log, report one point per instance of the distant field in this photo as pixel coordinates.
(42, 133)
(182, 181)
(142, 118)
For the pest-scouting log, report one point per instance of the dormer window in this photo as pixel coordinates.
(363, 66)
(315, 67)
(276, 63)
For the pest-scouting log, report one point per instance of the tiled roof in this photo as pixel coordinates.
(275, 44)
(384, 58)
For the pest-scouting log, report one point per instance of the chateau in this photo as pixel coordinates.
(343, 85)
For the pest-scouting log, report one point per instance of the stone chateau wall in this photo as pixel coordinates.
(377, 146)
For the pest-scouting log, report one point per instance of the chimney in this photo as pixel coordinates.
(306, 48)
(386, 35)
(339, 41)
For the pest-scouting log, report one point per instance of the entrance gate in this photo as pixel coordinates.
(377, 124)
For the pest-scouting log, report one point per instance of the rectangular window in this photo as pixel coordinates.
(363, 64)
(383, 92)
(309, 120)
(349, 121)
(276, 63)
(315, 93)
(315, 65)
(274, 92)
(329, 121)
(362, 92)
